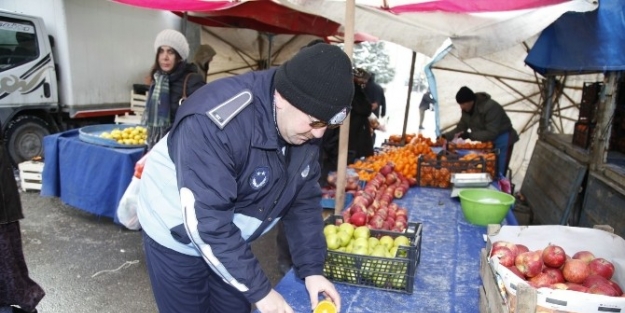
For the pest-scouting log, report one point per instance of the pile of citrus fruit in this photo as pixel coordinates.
(136, 135)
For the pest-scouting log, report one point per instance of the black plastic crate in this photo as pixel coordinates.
(392, 274)
(436, 172)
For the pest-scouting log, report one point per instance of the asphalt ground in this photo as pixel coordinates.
(87, 263)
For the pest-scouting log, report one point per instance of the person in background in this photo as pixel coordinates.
(427, 101)
(202, 58)
(241, 155)
(171, 80)
(375, 94)
(18, 292)
(483, 119)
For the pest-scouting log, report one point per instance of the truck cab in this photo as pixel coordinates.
(28, 91)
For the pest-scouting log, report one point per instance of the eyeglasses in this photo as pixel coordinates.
(321, 124)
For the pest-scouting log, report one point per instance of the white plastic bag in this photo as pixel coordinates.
(127, 209)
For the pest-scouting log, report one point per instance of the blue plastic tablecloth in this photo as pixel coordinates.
(86, 176)
(447, 278)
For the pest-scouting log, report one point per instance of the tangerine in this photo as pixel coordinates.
(325, 306)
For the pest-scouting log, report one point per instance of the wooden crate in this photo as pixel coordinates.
(137, 106)
(30, 175)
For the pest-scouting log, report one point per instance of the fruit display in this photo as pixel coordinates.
(436, 170)
(365, 257)
(373, 206)
(553, 268)
(404, 160)
(469, 145)
(127, 136)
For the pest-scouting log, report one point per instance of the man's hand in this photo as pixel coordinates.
(273, 303)
(457, 135)
(316, 284)
(374, 106)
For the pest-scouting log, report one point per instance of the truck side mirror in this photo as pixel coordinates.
(51, 41)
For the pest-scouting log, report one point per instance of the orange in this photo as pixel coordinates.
(325, 306)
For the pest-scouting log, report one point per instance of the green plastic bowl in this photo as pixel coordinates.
(485, 206)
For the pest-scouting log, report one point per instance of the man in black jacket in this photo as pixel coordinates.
(483, 119)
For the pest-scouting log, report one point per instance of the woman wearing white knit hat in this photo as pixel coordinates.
(172, 79)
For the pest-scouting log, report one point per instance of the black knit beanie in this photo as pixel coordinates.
(317, 80)
(465, 95)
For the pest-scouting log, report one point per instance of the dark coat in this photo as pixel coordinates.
(487, 121)
(360, 140)
(176, 85)
(10, 205)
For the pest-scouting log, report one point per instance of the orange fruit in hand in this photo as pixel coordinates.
(325, 306)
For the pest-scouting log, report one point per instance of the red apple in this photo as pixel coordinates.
(616, 287)
(516, 272)
(603, 289)
(601, 266)
(576, 287)
(575, 271)
(594, 279)
(400, 192)
(529, 263)
(521, 248)
(391, 178)
(554, 256)
(507, 244)
(542, 280)
(555, 274)
(386, 169)
(358, 219)
(584, 255)
(376, 222)
(506, 257)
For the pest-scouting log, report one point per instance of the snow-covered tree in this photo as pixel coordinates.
(372, 57)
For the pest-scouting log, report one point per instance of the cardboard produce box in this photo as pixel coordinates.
(513, 294)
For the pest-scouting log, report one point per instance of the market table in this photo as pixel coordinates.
(447, 277)
(89, 177)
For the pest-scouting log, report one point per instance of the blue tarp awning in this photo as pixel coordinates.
(578, 43)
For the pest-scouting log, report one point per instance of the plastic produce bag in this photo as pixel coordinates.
(127, 209)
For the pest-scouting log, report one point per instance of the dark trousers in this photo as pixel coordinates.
(186, 284)
(504, 144)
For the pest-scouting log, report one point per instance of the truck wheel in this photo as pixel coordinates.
(24, 138)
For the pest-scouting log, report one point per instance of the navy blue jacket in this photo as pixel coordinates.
(234, 184)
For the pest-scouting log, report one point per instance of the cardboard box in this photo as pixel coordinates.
(515, 295)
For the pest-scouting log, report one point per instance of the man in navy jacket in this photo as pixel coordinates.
(241, 155)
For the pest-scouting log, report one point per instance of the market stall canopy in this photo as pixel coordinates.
(579, 43)
(264, 16)
(476, 28)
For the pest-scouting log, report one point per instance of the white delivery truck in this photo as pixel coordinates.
(68, 63)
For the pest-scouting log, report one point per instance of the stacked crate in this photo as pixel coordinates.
(585, 125)
(30, 175)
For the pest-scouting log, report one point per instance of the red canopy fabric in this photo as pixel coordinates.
(262, 15)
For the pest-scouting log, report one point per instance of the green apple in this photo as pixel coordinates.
(373, 242)
(398, 281)
(344, 237)
(348, 228)
(387, 241)
(333, 241)
(360, 250)
(401, 240)
(330, 229)
(362, 232)
(393, 252)
(360, 243)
